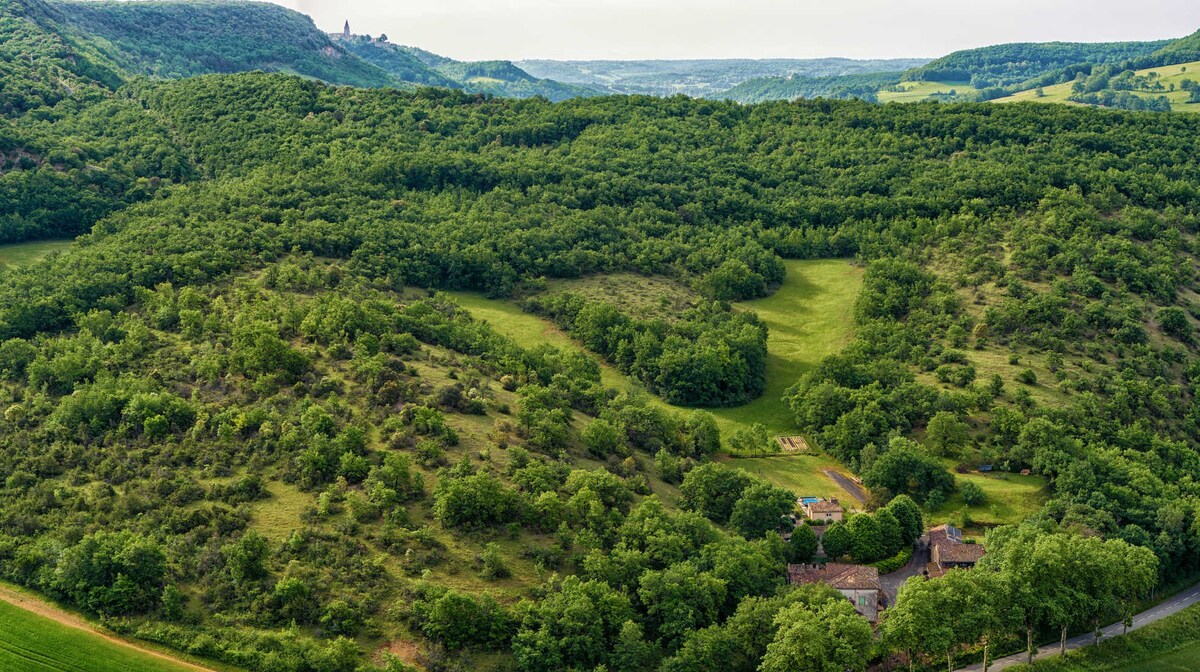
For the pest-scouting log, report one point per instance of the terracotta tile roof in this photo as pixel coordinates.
(824, 507)
(946, 546)
(959, 553)
(837, 575)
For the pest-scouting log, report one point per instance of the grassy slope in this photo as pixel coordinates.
(22, 254)
(919, 91)
(1167, 75)
(35, 643)
(808, 318)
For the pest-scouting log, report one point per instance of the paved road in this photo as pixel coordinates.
(1174, 605)
(891, 582)
(856, 491)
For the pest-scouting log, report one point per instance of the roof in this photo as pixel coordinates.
(943, 534)
(824, 507)
(837, 575)
(946, 546)
(958, 553)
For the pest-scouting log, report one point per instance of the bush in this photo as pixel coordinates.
(1028, 377)
(894, 563)
(971, 493)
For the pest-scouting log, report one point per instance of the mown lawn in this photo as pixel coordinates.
(33, 643)
(22, 254)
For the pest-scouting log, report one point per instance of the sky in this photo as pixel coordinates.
(640, 29)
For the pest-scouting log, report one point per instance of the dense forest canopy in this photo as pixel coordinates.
(240, 420)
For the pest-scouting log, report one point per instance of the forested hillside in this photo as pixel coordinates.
(240, 419)
(174, 39)
(860, 87)
(1009, 64)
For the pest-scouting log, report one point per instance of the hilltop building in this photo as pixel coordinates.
(859, 583)
(346, 30)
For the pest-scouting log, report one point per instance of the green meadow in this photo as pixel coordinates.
(33, 643)
(915, 92)
(808, 318)
(22, 254)
(1170, 74)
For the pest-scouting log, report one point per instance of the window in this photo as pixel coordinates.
(862, 600)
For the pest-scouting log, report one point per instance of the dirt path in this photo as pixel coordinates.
(848, 485)
(37, 606)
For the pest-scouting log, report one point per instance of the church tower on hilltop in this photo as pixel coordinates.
(346, 30)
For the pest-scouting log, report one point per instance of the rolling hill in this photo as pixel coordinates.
(700, 77)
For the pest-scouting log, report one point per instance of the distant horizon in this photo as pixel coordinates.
(623, 30)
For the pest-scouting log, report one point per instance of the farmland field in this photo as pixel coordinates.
(919, 91)
(33, 643)
(1170, 74)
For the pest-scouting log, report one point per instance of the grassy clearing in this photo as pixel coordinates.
(35, 643)
(802, 474)
(23, 254)
(278, 516)
(915, 92)
(1009, 498)
(808, 318)
(1171, 74)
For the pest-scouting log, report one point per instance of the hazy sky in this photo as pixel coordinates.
(561, 29)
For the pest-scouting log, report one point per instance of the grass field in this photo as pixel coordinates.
(1009, 498)
(21, 254)
(802, 474)
(808, 318)
(915, 92)
(33, 643)
(1186, 659)
(1171, 74)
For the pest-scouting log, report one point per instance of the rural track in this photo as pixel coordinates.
(1184, 599)
(44, 609)
(856, 491)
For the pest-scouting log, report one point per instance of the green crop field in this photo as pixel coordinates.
(21, 254)
(915, 92)
(33, 643)
(1170, 74)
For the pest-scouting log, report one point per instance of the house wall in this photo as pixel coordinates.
(866, 602)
